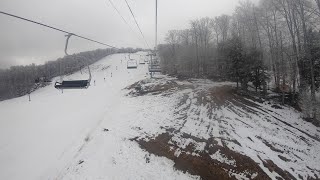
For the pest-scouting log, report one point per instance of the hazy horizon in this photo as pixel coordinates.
(25, 43)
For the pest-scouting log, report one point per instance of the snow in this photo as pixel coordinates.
(87, 134)
(223, 159)
(283, 129)
(45, 138)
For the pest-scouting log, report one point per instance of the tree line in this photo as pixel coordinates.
(275, 43)
(21, 80)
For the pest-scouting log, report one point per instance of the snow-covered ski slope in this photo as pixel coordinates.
(39, 138)
(160, 128)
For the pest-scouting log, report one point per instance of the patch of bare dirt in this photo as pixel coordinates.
(222, 95)
(274, 168)
(144, 87)
(202, 164)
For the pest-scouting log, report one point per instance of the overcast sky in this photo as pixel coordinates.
(24, 43)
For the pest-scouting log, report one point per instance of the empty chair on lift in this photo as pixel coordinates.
(132, 64)
(74, 84)
(142, 61)
(146, 60)
(154, 65)
(154, 68)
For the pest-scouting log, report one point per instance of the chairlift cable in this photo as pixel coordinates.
(57, 29)
(135, 20)
(123, 19)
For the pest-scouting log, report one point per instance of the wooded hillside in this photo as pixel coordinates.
(20, 80)
(273, 44)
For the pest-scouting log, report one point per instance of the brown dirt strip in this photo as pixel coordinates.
(202, 165)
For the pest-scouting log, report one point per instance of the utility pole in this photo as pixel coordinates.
(151, 65)
(156, 40)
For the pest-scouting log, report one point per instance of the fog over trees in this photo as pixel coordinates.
(273, 45)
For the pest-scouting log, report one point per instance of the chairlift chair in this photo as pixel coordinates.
(154, 65)
(142, 61)
(154, 68)
(132, 64)
(146, 60)
(73, 84)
